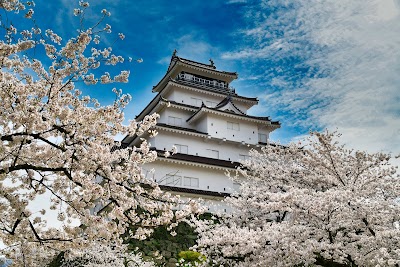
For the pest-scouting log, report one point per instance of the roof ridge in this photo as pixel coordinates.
(227, 100)
(240, 115)
(200, 159)
(160, 124)
(197, 62)
(193, 191)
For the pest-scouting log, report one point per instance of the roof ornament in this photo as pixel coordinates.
(174, 53)
(212, 62)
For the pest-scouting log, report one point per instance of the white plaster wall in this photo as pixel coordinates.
(217, 127)
(151, 141)
(201, 125)
(241, 105)
(185, 96)
(209, 179)
(174, 112)
(200, 146)
(264, 131)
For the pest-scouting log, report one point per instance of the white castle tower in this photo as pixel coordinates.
(208, 123)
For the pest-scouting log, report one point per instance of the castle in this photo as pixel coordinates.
(207, 121)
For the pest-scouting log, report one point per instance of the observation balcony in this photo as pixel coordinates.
(205, 82)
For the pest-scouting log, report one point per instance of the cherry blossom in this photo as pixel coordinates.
(100, 255)
(318, 204)
(57, 143)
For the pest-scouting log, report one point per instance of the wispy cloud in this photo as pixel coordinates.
(190, 45)
(164, 60)
(193, 46)
(332, 63)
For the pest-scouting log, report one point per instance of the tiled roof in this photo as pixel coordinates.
(158, 97)
(226, 101)
(189, 158)
(188, 61)
(201, 65)
(121, 146)
(193, 191)
(180, 128)
(217, 90)
(201, 160)
(178, 103)
(230, 113)
(164, 125)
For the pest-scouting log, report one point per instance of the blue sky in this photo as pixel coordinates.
(313, 64)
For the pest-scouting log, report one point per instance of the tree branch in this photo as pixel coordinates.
(40, 168)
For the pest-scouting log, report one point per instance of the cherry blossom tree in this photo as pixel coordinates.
(320, 204)
(56, 144)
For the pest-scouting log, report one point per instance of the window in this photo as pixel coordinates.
(213, 153)
(196, 102)
(183, 149)
(174, 121)
(263, 138)
(233, 126)
(173, 180)
(190, 181)
(244, 157)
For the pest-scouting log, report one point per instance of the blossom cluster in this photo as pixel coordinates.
(100, 255)
(59, 144)
(321, 204)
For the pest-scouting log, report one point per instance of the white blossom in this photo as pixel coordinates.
(320, 204)
(100, 255)
(122, 77)
(84, 4)
(107, 28)
(29, 14)
(77, 11)
(59, 143)
(105, 12)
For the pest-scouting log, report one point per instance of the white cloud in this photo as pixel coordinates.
(164, 60)
(192, 46)
(344, 65)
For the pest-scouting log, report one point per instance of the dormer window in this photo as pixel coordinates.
(191, 181)
(196, 102)
(233, 126)
(174, 121)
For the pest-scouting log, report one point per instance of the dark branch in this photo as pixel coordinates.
(368, 227)
(40, 168)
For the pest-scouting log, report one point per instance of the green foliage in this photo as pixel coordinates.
(161, 242)
(56, 262)
(191, 256)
